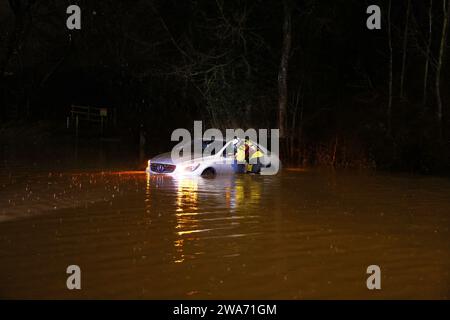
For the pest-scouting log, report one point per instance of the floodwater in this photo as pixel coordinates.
(299, 235)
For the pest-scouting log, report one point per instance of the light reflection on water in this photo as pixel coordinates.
(301, 234)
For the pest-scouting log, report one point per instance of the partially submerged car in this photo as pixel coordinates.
(221, 162)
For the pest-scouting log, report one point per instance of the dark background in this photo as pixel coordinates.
(163, 64)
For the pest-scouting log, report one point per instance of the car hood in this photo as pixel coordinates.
(163, 158)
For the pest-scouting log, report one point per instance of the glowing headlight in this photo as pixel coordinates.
(192, 167)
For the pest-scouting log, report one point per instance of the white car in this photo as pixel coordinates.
(218, 163)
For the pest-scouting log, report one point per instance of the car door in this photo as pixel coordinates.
(223, 161)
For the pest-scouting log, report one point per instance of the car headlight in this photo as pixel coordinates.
(192, 167)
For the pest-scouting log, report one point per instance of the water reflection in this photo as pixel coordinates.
(186, 212)
(187, 196)
(205, 208)
(245, 192)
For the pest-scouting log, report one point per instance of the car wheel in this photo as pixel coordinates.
(209, 173)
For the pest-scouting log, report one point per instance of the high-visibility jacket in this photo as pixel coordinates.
(257, 154)
(250, 167)
(240, 153)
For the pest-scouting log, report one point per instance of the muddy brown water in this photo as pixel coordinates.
(300, 234)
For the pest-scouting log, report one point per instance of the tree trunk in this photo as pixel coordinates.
(428, 52)
(405, 44)
(439, 65)
(283, 71)
(389, 108)
(294, 124)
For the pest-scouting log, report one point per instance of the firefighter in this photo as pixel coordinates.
(241, 155)
(254, 164)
